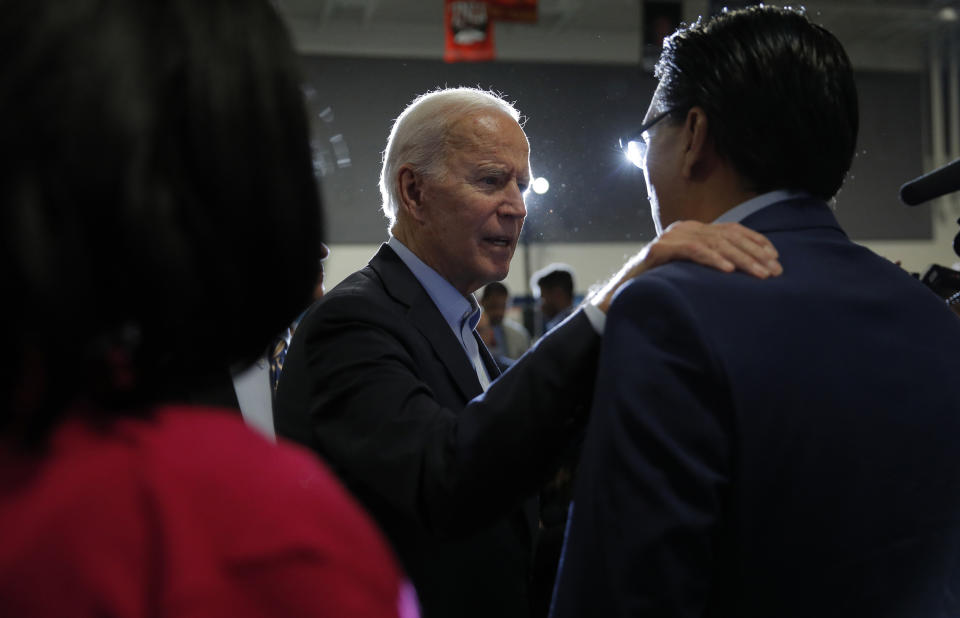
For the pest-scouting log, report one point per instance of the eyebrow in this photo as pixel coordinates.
(500, 169)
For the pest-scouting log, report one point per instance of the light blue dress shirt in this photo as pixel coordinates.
(461, 314)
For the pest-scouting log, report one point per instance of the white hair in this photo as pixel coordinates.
(420, 135)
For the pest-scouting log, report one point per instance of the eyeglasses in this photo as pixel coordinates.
(635, 146)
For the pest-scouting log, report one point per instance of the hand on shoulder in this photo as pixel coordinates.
(724, 246)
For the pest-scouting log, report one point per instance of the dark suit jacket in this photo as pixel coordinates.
(377, 383)
(788, 447)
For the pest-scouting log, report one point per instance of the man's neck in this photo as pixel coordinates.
(717, 189)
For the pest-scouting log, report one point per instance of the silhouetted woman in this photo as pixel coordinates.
(160, 222)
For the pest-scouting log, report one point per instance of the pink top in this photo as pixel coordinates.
(188, 513)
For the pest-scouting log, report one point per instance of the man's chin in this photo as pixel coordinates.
(497, 274)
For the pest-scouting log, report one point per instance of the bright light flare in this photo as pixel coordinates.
(634, 152)
(540, 185)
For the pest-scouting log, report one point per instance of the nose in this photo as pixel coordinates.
(513, 204)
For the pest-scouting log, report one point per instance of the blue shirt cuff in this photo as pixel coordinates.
(597, 318)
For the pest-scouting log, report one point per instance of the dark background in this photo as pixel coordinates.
(575, 114)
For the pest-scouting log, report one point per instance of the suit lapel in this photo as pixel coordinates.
(403, 286)
(428, 320)
(488, 361)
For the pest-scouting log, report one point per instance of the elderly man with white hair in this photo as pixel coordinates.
(387, 380)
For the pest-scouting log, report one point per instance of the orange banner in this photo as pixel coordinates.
(513, 10)
(469, 31)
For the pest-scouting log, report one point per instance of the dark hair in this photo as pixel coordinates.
(778, 92)
(160, 216)
(494, 288)
(556, 277)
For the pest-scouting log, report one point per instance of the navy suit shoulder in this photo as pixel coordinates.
(772, 447)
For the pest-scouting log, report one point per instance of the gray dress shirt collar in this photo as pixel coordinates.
(742, 211)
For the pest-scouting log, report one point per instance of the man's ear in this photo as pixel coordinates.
(411, 192)
(699, 153)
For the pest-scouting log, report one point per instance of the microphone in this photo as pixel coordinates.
(939, 182)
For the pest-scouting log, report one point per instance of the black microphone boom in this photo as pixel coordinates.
(939, 182)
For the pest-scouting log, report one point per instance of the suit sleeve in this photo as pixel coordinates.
(379, 422)
(651, 487)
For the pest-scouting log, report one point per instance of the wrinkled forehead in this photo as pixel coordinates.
(501, 124)
(490, 132)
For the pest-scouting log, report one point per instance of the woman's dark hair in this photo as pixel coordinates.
(160, 217)
(778, 92)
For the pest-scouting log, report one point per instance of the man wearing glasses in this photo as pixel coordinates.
(777, 448)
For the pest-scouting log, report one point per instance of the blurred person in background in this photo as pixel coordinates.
(489, 338)
(159, 220)
(554, 285)
(510, 339)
